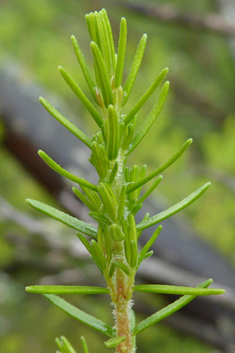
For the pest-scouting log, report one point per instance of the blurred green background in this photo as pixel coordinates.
(36, 35)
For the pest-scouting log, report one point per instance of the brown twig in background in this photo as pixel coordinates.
(171, 15)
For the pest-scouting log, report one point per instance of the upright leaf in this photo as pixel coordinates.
(110, 40)
(134, 68)
(85, 101)
(64, 345)
(145, 96)
(57, 168)
(148, 245)
(113, 133)
(150, 119)
(161, 168)
(174, 209)
(150, 190)
(102, 75)
(84, 67)
(121, 52)
(84, 345)
(66, 123)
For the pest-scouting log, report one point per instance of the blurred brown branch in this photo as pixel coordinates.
(170, 14)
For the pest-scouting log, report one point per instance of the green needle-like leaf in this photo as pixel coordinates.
(161, 168)
(59, 344)
(84, 199)
(57, 168)
(108, 30)
(99, 255)
(174, 209)
(84, 67)
(122, 202)
(92, 196)
(92, 26)
(81, 315)
(114, 341)
(149, 120)
(64, 345)
(70, 221)
(147, 215)
(122, 266)
(116, 232)
(66, 123)
(132, 325)
(145, 96)
(134, 68)
(84, 345)
(133, 254)
(148, 245)
(100, 218)
(99, 159)
(121, 52)
(91, 250)
(85, 101)
(86, 243)
(149, 253)
(150, 190)
(128, 136)
(103, 42)
(177, 290)
(41, 289)
(113, 173)
(109, 200)
(102, 73)
(113, 133)
(167, 311)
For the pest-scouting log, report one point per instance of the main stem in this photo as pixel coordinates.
(122, 312)
(121, 292)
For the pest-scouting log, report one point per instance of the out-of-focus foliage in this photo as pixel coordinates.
(200, 105)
